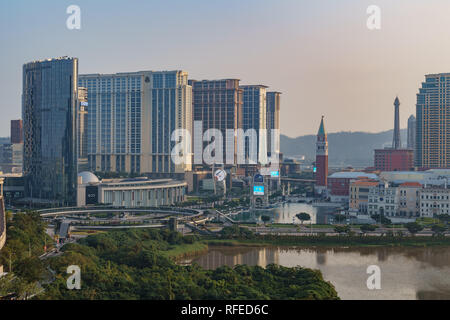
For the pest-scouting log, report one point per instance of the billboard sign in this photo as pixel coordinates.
(274, 174)
(91, 195)
(258, 190)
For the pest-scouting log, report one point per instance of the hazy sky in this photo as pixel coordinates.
(319, 53)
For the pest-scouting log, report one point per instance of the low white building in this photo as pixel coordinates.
(434, 201)
(129, 192)
(383, 200)
(409, 199)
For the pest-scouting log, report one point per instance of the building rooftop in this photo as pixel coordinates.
(321, 128)
(411, 184)
(365, 183)
(353, 175)
(118, 74)
(88, 177)
(253, 86)
(140, 181)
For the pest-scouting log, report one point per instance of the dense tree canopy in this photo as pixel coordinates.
(131, 265)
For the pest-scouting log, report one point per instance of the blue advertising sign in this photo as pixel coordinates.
(258, 190)
(274, 174)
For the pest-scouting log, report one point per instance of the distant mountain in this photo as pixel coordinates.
(344, 148)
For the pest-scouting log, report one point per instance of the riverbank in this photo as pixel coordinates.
(183, 251)
(201, 246)
(333, 241)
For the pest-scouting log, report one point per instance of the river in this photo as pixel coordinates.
(406, 273)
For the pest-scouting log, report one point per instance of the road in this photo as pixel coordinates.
(330, 231)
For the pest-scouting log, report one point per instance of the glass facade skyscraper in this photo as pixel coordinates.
(432, 149)
(131, 119)
(49, 101)
(254, 112)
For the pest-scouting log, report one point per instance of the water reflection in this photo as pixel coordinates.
(285, 213)
(406, 273)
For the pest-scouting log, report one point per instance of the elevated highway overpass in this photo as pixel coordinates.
(54, 212)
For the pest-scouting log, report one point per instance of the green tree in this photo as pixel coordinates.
(413, 227)
(134, 266)
(367, 228)
(265, 219)
(18, 287)
(31, 269)
(444, 218)
(438, 229)
(342, 229)
(381, 219)
(339, 217)
(303, 216)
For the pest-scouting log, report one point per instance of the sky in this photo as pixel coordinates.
(319, 54)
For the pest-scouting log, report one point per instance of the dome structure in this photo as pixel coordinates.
(88, 177)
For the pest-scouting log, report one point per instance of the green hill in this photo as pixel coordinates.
(345, 148)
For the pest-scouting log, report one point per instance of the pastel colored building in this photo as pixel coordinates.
(339, 184)
(408, 202)
(359, 194)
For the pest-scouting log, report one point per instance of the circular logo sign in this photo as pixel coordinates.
(220, 175)
(258, 178)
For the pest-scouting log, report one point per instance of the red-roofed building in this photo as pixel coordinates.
(339, 184)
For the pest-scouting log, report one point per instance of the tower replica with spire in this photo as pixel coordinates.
(395, 158)
(321, 160)
(396, 141)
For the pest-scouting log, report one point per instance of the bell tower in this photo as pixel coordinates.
(321, 159)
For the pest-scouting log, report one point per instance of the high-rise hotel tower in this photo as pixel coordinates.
(49, 101)
(321, 159)
(82, 112)
(433, 122)
(254, 112)
(132, 117)
(273, 119)
(218, 105)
